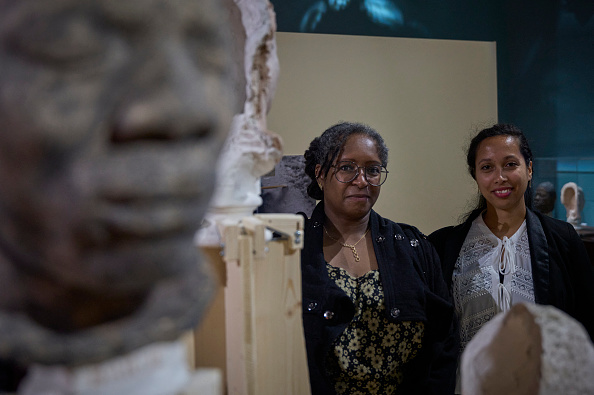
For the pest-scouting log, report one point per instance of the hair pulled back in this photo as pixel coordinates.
(323, 150)
(502, 129)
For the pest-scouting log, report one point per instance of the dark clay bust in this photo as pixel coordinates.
(545, 197)
(112, 116)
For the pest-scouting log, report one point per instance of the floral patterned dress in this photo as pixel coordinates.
(370, 355)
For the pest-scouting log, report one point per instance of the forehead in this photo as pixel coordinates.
(499, 145)
(136, 12)
(359, 145)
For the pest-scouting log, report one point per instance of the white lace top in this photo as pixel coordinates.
(489, 276)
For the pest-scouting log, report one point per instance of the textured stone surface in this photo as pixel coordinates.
(113, 114)
(285, 190)
(568, 353)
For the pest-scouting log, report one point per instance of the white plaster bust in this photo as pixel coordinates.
(572, 197)
(529, 350)
(251, 150)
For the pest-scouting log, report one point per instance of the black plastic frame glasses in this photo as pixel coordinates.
(346, 171)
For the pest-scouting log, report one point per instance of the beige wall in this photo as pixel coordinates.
(425, 97)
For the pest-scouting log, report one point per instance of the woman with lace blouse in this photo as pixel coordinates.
(376, 311)
(504, 253)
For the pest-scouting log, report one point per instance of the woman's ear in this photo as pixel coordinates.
(320, 177)
(319, 171)
(530, 170)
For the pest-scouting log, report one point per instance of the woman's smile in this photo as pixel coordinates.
(502, 192)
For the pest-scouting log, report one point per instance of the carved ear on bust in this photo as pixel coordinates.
(572, 197)
(569, 196)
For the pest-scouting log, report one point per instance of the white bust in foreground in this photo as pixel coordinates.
(529, 350)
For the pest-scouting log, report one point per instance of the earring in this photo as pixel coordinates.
(320, 186)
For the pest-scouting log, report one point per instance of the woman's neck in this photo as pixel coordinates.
(503, 222)
(347, 229)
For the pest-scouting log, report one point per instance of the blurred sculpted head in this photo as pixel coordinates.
(113, 114)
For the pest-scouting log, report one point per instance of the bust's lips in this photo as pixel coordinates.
(145, 193)
(150, 218)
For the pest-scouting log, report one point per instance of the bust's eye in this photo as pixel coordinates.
(72, 40)
(208, 48)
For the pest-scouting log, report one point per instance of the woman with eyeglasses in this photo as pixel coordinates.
(376, 310)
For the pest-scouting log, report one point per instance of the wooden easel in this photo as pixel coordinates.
(258, 309)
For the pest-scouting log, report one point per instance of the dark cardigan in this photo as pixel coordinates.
(414, 290)
(561, 269)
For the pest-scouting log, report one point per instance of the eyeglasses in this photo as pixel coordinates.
(347, 171)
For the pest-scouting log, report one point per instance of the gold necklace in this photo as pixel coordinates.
(351, 246)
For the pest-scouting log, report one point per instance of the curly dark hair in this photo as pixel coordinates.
(325, 149)
(503, 129)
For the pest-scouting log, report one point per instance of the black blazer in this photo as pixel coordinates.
(561, 269)
(414, 290)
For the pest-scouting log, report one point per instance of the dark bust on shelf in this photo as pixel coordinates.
(545, 197)
(112, 117)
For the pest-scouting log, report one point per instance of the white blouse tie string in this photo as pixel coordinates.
(503, 298)
(507, 256)
(506, 261)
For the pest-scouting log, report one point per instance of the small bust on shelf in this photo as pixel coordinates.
(545, 197)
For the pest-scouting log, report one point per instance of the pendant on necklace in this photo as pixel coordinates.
(351, 246)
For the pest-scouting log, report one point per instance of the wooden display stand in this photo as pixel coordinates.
(255, 322)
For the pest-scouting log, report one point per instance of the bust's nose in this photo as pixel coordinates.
(167, 99)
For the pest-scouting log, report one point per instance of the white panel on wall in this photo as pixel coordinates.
(426, 98)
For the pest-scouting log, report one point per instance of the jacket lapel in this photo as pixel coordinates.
(539, 257)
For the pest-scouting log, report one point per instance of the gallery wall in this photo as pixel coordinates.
(426, 97)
